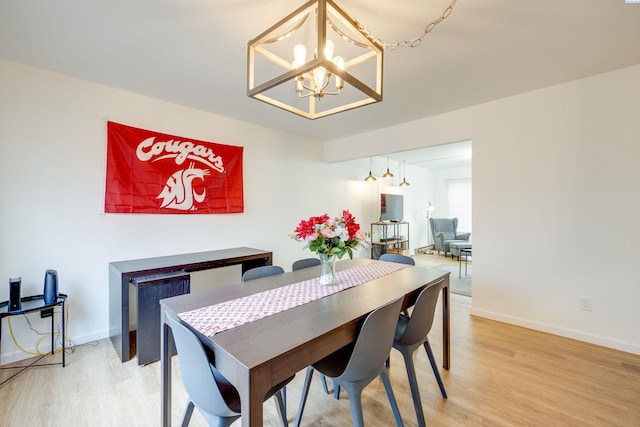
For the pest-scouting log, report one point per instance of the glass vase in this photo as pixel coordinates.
(327, 269)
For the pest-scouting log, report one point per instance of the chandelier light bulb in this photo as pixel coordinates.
(340, 64)
(299, 55)
(320, 79)
(328, 50)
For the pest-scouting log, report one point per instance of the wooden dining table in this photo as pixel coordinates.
(258, 355)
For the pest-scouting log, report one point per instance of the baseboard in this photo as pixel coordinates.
(625, 346)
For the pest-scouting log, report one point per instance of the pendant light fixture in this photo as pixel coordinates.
(316, 51)
(404, 182)
(292, 64)
(370, 177)
(387, 174)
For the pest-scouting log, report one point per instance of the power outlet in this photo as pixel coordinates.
(584, 303)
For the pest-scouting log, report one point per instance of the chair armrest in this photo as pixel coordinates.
(463, 236)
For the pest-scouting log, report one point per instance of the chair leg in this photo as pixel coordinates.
(413, 385)
(188, 411)
(303, 396)
(434, 366)
(283, 392)
(392, 398)
(280, 407)
(324, 384)
(336, 388)
(355, 401)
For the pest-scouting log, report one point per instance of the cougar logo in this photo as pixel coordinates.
(178, 192)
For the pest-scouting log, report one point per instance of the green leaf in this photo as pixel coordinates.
(350, 252)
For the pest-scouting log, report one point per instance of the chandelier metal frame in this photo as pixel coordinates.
(330, 19)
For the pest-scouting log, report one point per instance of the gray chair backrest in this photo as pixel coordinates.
(374, 342)
(447, 226)
(264, 271)
(305, 263)
(197, 372)
(401, 259)
(422, 315)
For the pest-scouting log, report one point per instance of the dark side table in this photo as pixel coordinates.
(29, 305)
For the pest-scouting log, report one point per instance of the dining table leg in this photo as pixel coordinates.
(253, 387)
(446, 325)
(165, 374)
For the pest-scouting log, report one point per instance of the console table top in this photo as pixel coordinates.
(192, 259)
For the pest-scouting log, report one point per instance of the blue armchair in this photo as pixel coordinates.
(445, 231)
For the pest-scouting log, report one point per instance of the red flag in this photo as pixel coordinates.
(152, 172)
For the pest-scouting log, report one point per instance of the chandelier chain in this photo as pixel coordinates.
(414, 42)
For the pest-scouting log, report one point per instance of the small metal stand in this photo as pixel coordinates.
(466, 253)
(29, 305)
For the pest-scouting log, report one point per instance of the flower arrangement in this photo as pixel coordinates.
(331, 236)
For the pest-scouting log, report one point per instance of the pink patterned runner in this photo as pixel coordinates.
(226, 315)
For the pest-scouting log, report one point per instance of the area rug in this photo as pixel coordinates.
(461, 286)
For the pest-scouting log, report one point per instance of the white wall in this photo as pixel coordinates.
(52, 156)
(555, 199)
(441, 199)
(554, 177)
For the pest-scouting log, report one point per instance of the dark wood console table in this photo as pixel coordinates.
(121, 274)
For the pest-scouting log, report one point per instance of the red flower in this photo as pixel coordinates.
(350, 224)
(308, 228)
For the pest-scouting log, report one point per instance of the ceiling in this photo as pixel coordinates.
(193, 52)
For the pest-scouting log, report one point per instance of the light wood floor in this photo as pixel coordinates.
(433, 259)
(501, 375)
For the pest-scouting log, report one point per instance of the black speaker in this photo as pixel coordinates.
(50, 286)
(14, 294)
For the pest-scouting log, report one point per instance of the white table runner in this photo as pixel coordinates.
(226, 315)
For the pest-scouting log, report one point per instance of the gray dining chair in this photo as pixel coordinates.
(263, 271)
(411, 333)
(402, 259)
(357, 364)
(305, 263)
(216, 398)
